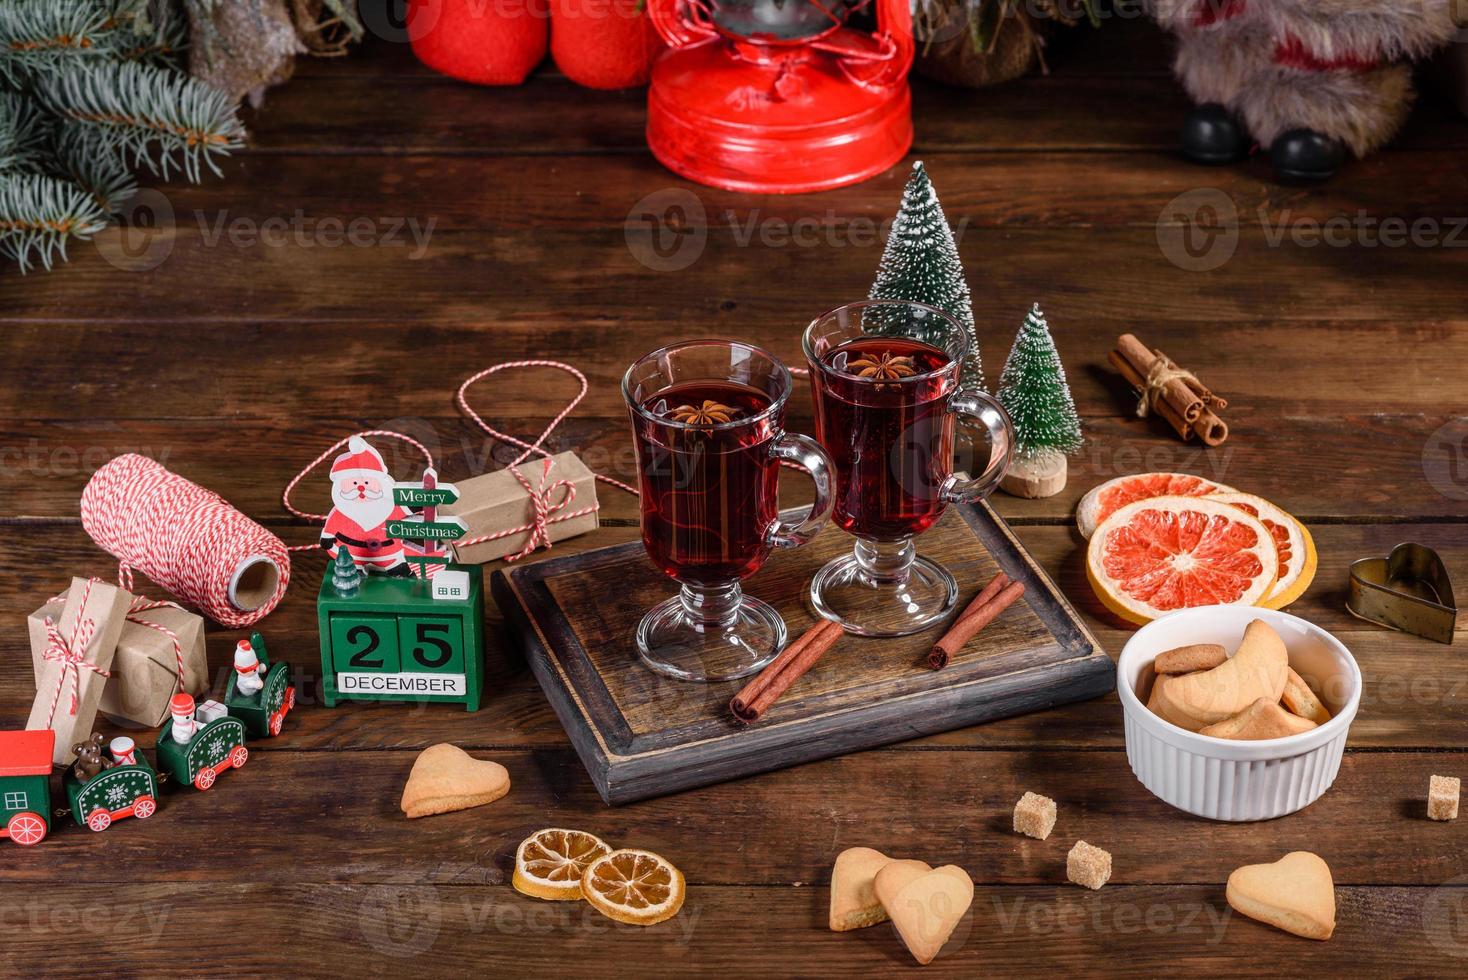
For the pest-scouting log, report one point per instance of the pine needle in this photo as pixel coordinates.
(39, 214)
(39, 36)
(150, 115)
(23, 131)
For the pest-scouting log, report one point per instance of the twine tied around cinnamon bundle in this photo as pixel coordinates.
(1170, 391)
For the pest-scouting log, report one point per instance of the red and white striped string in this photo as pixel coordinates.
(187, 539)
(71, 654)
(544, 512)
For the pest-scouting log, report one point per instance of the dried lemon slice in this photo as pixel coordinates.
(636, 887)
(549, 863)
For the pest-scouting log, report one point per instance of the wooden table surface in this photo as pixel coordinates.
(238, 336)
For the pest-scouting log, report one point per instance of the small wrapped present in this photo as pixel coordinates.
(505, 519)
(73, 660)
(160, 652)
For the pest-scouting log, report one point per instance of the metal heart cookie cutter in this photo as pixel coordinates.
(1407, 591)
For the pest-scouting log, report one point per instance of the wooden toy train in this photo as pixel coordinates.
(108, 783)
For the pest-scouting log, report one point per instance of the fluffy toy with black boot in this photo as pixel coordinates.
(1310, 80)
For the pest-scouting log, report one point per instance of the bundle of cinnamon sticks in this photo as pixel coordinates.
(1169, 391)
(992, 600)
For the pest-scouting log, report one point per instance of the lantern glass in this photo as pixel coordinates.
(780, 20)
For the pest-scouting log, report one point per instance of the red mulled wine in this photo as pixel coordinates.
(709, 490)
(888, 431)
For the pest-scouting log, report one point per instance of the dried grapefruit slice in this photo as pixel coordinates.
(1155, 556)
(1292, 542)
(1111, 496)
(549, 863)
(636, 887)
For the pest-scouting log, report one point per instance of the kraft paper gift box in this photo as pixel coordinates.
(145, 667)
(68, 688)
(496, 502)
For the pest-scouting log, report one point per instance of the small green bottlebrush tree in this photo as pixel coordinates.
(90, 92)
(920, 264)
(1034, 391)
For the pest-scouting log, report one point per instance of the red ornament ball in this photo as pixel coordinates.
(487, 42)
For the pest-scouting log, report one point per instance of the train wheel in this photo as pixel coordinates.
(239, 756)
(27, 828)
(204, 779)
(144, 807)
(276, 723)
(290, 699)
(99, 820)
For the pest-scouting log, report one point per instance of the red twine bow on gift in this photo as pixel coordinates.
(139, 605)
(543, 513)
(71, 655)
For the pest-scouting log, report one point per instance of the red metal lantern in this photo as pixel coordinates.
(780, 96)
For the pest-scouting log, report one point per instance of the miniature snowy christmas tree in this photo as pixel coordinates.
(1032, 388)
(346, 577)
(921, 264)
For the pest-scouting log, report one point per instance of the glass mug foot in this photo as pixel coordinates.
(684, 638)
(884, 590)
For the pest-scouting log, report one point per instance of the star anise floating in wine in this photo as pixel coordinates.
(710, 413)
(882, 367)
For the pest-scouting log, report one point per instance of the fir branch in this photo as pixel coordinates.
(81, 156)
(149, 115)
(39, 214)
(38, 36)
(23, 131)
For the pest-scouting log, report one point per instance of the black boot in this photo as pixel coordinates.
(1213, 136)
(1305, 156)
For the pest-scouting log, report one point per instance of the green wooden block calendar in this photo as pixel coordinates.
(403, 639)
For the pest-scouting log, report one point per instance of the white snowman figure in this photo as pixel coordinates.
(249, 672)
(181, 707)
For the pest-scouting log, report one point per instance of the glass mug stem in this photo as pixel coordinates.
(885, 562)
(711, 606)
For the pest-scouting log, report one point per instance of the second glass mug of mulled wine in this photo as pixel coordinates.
(885, 376)
(708, 423)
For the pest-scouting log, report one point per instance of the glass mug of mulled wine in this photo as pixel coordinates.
(885, 376)
(708, 424)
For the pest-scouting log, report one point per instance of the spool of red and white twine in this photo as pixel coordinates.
(187, 539)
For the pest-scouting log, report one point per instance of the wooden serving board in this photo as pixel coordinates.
(641, 734)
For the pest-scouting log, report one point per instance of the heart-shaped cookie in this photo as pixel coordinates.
(854, 902)
(446, 778)
(1295, 893)
(925, 904)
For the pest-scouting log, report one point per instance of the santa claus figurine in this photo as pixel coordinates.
(249, 673)
(362, 504)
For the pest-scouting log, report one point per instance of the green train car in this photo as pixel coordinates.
(25, 785)
(117, 792)
(216, 748)
(264, 711)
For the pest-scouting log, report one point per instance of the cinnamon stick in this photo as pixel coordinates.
(1183, 402)
(755, 698)
(1183, 399)
(968, 626)
(1163, 409)
(988, 592)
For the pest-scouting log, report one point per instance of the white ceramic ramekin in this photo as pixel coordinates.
(1222, 779)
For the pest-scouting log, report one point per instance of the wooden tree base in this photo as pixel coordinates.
(1043, 476)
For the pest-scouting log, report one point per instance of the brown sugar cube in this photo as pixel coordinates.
(1087, 865)
(1034, 816)
(1442, 798)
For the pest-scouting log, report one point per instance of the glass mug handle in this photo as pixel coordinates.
(985, 411)
(803, 451)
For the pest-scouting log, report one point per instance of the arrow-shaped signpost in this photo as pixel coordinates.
(426, 526)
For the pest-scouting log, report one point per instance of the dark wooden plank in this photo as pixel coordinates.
(557, 276)
(334, 817)
(640, 734)
(470, 927)
(529, 193)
